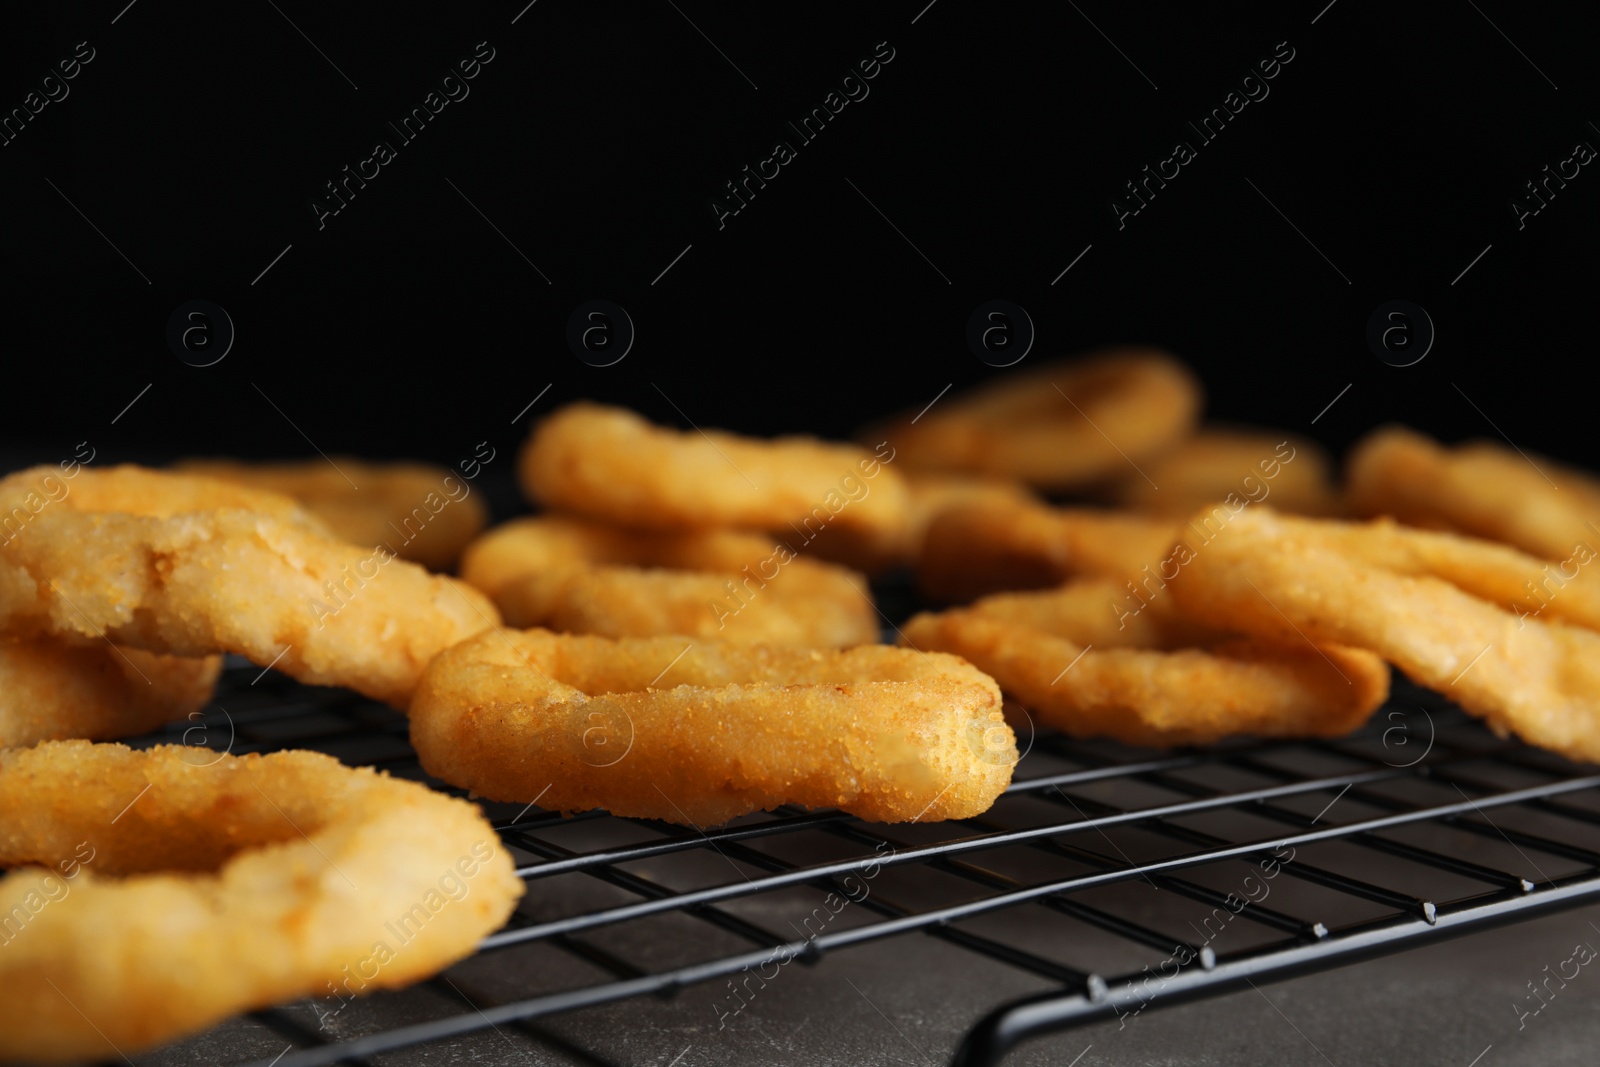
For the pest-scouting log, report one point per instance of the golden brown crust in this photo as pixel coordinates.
(1082, 666)
(52, 691)
(1566, 591)
(975, 549)
(701, 732)
(419, 512)
(581, 576)
(135, 490)
(1057, 426)
(928, 495)
(170, 894)
(609, 463)
(1291, 472)
(1537, 679)
(1479, 488)
(276, 590)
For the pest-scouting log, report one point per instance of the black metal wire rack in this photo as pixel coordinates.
(1422, 826)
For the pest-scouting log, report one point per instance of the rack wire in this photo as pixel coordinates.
(1420, 827)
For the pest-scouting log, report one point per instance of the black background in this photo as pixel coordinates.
(416, 323)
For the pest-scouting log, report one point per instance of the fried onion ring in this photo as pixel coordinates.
(928, 495)
(581, 576)
(1059, 426)
(1478, 488)
(410, 508)
(157, 880)
(975, 549)
(137, 491)
(1257, 465)
(50, 690)
(699, 733)
(1059, 653)
(279, 591)
(609, 463)
(1526, 585)
(1537, 679)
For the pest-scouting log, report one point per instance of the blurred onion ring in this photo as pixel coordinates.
(219, 889)
(698, 733)
(928, 495)
(51, 691)
(609, 463)
(1478, 488)
(1065, 655)
(422, 513)
(1537, 679)
(268, 583)
(1256, 465)
(972, 549)
(580, 576)
(1059, 426)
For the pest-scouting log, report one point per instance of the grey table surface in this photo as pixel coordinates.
(1452, 1004)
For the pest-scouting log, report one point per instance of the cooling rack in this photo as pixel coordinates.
(1125, 880)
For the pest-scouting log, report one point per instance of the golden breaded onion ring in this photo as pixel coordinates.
(1294, 474)
(1057, 426)
(580, 576)
(1073, 658)
(972, 549)
(701, 732)
(1565, 591)
(263, 583)
(419, 512)
(1537, 679)
(51, 690)
(135, 490)
(163, 895)
(609, 463)
(929, 495)
(1478, 488)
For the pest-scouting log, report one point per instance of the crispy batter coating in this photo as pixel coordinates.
(1158, 678)
(1058, 426)
(1294, 474)
(972, 549)
(609, 463)
(581, 576)
(1478, 488)
(929, 494)
(701, 732)
(169, 894)
(419, 512)
(1537, 679)
(136, 490)
(50, 690)
(194, 583)
(1568, 591)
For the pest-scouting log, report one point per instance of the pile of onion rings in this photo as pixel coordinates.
(192, 573)
(1070, 656)
(1327, 583)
